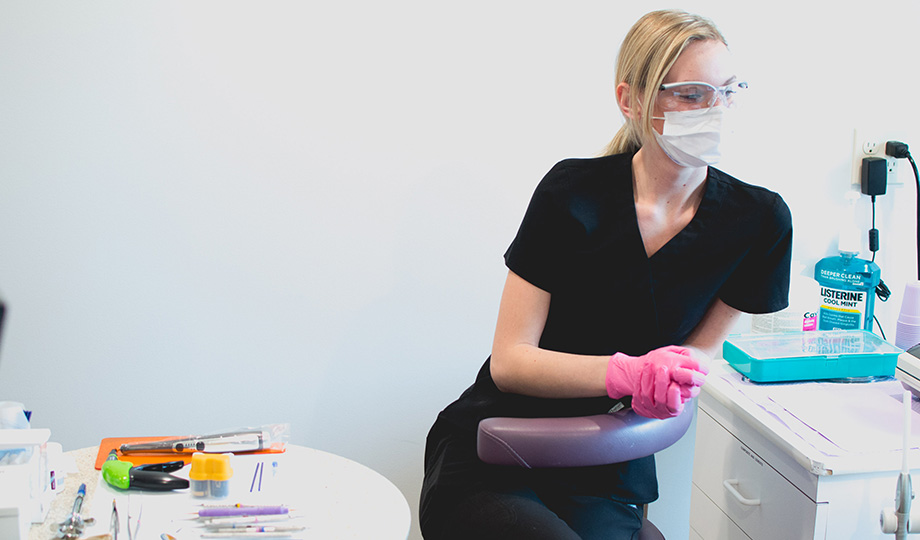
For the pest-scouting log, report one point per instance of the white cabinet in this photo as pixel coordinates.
(738, 494)
(709, 521)
(753, 478)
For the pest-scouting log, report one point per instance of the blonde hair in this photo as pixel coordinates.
(649, 50)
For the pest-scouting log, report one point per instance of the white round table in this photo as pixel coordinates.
(332, 496)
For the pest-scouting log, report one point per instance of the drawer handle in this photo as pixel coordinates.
(731, 486)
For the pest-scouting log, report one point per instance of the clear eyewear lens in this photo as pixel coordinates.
(730, 92)
(697, 95)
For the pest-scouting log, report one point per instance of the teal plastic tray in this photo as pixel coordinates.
(810, 356)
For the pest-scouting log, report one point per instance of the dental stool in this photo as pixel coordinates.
(583, 441)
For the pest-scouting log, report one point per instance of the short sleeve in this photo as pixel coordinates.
(543, 241)
(760, 282)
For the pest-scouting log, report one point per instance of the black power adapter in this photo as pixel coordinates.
(874, 175)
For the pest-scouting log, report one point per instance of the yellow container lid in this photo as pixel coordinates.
(210, 467)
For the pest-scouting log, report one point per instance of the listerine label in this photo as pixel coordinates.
(849, 278)
(841, 309)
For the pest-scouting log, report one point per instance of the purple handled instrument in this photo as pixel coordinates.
(240, 510)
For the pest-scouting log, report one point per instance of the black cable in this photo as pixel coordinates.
(900, 150)
(881, 290)
(917, 179)
(873, 233)
(879, 325)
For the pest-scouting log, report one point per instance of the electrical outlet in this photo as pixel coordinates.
(869, 143)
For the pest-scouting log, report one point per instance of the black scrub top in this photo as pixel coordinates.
(580, 241)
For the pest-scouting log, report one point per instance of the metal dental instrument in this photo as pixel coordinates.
(113, 524)
(72, 527)
(244, 520)
(113, 527)
(132, 533)
(904, 492)
(897, 520)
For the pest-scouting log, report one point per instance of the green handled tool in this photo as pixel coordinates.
(152, 477)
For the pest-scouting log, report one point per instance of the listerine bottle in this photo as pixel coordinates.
(846, 285)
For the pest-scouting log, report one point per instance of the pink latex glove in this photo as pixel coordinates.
(660, 381)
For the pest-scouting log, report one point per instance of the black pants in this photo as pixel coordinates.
(462, 498)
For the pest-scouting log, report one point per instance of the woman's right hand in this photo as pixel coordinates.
(660, 381)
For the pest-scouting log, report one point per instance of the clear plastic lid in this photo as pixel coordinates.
(818, 343)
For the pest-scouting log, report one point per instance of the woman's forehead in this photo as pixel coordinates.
(706, 60)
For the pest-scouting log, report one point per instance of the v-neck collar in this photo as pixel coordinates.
(708, 204)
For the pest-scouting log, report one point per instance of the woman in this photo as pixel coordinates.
(627, 270)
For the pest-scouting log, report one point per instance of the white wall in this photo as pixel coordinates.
(223, 213)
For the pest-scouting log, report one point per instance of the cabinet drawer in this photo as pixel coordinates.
(746, 488)
(708, 522)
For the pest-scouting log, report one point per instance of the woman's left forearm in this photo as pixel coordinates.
(714, 327)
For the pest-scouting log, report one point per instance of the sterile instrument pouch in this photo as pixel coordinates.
(267, 437)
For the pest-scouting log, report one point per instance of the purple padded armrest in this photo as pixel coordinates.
(578, 441)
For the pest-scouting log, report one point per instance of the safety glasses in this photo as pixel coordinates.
(690, 95)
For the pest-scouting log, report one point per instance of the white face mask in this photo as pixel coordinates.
(691, 138)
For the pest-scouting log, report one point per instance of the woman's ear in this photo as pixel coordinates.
(625, 100)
